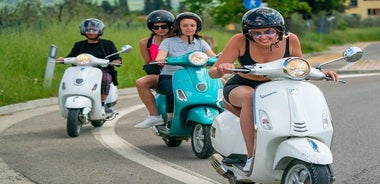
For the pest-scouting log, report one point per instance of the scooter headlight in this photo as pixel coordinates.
(296, 68)
(83, 59)
(198, 58)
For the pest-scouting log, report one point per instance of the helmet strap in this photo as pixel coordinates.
(275, 44)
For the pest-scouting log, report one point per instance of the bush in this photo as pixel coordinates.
(24, 50)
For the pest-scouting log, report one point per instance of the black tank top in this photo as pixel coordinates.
(246, 59)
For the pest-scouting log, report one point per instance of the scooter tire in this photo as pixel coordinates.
(73, 125)
(310, 173)
(201, 141)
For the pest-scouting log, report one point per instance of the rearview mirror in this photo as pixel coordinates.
(126, 48)
(352, 54)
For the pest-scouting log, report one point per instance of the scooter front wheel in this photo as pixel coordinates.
(201, 141)
(73, 124)
(302, 172)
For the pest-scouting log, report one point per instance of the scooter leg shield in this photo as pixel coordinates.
(305, 149)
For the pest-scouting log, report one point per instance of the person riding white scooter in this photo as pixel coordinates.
(86, 75)
(268, 96)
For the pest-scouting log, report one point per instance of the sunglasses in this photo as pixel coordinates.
(158, 27)
(268, 33)
(91, 30)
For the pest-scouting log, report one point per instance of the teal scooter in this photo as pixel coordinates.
(197, 101)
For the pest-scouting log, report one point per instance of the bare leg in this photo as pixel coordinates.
(242, 96)
(103, 98)
(144, 86)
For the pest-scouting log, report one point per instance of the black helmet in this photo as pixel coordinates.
(160, 16)
(91, 23)
(262, 17)
(187, 15)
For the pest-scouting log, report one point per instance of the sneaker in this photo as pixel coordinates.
(169, 123)
(150, 121)
(248, 164)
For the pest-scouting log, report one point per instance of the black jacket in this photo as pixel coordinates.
(107, 47)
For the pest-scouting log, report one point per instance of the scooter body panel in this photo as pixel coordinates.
(295, 111)
(305, 149)
(226, 136)
(195, 99)
(78, 102)
(298, 110)
(80, 88)
(202, 114)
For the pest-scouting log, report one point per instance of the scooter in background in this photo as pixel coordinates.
(79, 92)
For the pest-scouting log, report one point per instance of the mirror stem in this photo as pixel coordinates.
(319, 67)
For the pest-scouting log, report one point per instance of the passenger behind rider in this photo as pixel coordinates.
(160, 22)
(94, 28)
(263, 39)
(185, 38)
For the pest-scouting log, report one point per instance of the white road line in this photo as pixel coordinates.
(107, 136)
(358, 75)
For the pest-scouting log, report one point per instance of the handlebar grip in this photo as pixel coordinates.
(242, 70)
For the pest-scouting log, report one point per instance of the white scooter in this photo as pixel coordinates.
(293, 125)
(79, 92)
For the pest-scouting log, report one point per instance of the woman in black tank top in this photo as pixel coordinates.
(263, 39)
(246, 58)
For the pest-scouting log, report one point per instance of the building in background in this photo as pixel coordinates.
(364, 8)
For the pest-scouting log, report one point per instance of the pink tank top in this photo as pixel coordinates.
(153, 49)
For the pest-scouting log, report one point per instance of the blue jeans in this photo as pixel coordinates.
(165, 87)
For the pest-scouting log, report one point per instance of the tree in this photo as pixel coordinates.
(151, 5)
(124, 8)
(107, 7)
(327, 6)
(224, 12)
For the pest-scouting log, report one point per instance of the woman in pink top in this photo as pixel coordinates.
(160, 22)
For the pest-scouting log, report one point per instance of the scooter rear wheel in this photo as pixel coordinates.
(73, 125)
(302, 172)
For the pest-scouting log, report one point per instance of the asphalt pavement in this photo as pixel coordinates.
(369, 63)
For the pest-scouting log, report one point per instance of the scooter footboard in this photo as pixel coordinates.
(202, 114)
(305, 149)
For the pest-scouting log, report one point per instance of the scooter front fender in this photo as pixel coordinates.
(77, 102)
(305, 149)
(202, 114)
